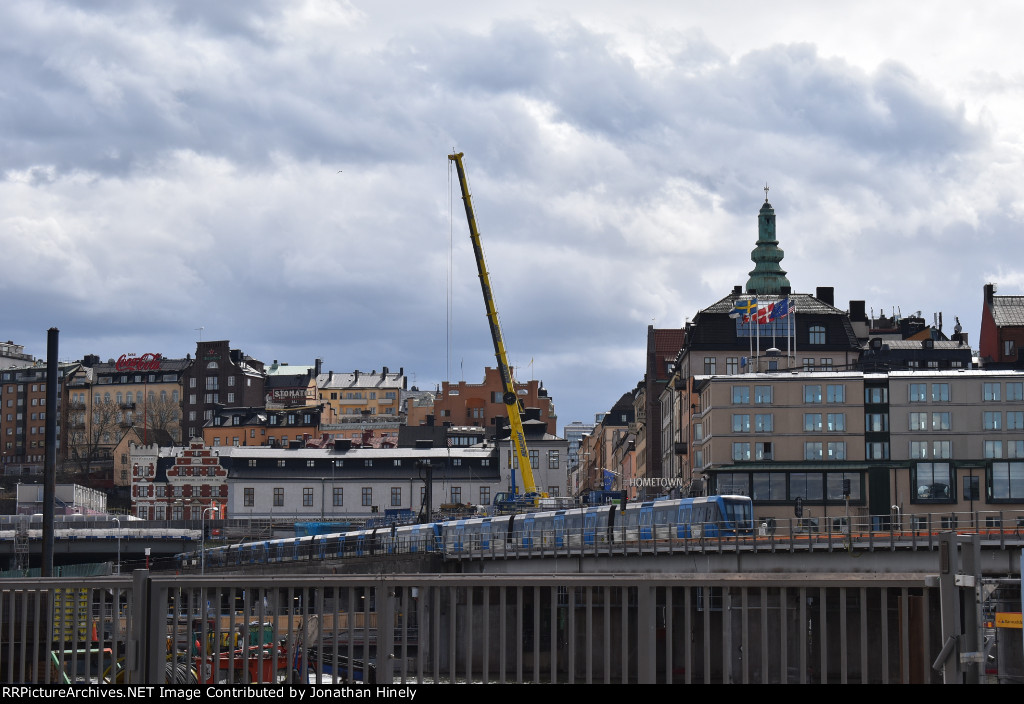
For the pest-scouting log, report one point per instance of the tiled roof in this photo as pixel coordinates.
(335, 380)
(1008, 310)
(798, 302)
(714, 329)
(916, 345)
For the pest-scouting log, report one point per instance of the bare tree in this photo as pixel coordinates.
(160, 413)
(92, 435)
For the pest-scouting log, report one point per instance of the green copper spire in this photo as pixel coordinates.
(767, 276)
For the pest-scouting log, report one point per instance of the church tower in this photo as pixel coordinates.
(767, 278)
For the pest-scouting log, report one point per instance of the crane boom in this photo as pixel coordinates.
(511, 400)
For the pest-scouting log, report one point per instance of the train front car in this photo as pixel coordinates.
(737, 514)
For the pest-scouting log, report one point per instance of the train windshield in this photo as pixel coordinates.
(741, 512)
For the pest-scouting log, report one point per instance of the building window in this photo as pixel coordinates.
(741, 394)
(812, 422)
(763, 423)
(1014, 420)
(942, 449)
(836, 422)
(993, 449)
(1007, 348)
(835, 393)
(709, 365)
(834, 485)
(763, 451)
(736, 483)
(1008, 481)
(992, 420)
(1014, 391)
(367, 496)
(339, 496)
(396, 496)
(812, 451)
(918, 421)
(876, 394)
(732, 365)
(485, 496)
(972, 488)
(941, 421)
(806, 485)
(876, 422)
(249, 496)
(307, 496)
(278, 496)
(817, 335)
(741, 423)
(808, 364)
(762, 394)
(812, 394)
(917, 393)
(934, 481)
(940, 392)
(826, 364)
(918, 449)
(553, 462)
(769, 486)
(456, 495)
(741, 451)
(990, 391)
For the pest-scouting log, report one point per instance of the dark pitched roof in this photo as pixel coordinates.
(712, 327)
(1008, 310)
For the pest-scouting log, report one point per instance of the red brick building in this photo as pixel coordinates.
(481, 405)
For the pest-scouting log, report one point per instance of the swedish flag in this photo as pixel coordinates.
(743, 308)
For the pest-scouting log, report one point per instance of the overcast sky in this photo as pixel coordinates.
(170, 170)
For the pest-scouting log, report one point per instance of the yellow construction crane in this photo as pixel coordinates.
(512, 403)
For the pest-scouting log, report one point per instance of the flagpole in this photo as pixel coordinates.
(773, 327)
(757, 322)
(750, 346)
(792, 336)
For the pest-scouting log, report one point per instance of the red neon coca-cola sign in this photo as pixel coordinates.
(149, 362)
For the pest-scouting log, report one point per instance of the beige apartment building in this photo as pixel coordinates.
(902, 443)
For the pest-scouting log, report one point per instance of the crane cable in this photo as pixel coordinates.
(448, 283)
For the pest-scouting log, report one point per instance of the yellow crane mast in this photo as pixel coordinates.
(512, 403)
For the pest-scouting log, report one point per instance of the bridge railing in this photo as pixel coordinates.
(414, 629)
(917, 531)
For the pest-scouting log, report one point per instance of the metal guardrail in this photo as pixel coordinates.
(682, 628)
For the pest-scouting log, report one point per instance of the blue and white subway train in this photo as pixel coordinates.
(577, 528)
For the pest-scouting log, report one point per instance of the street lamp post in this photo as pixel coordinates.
(202, 539)
(118, 522)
